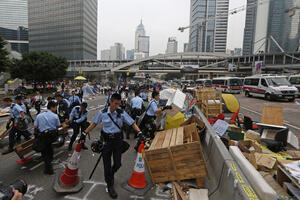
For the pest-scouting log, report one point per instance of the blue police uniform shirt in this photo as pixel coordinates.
(152, 108)
(136, 102)
(47, 121)
(23, 107)
(67, 101)
(15, 111)
(108, 126)
(74, 98)
(75, 114)
(144, 96)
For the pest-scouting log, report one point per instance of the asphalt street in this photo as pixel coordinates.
(40, 185)
(253, 107)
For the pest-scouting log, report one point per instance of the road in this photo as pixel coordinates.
(253, 106)
(40, 185)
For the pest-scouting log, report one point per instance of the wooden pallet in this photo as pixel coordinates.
(212, 103)
(199, 93)
(176, 154)
(3, 131)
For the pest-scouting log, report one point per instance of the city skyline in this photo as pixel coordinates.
(160, 25)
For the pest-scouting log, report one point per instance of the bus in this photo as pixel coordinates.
(203, 83)
(231, 85)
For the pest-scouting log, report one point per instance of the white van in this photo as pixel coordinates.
(228, 84)
(270, 87)
(295, 81)
(203, 83)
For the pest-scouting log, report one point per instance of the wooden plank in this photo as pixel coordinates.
(180, 192)
(167, 138)
(179, 137)
(174, 135)
(160, 140)
(272, 115)
(154, 141)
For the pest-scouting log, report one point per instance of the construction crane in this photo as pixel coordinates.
(224, 14)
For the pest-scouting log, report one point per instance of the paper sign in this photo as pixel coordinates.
(220, 127)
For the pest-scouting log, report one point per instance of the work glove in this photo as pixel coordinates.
(7, 125)
(167, 108)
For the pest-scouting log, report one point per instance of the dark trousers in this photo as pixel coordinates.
(47, 155)
(37, 106)
(76, 128)
(111, 149)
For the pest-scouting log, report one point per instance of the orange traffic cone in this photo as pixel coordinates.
(69, 180)
(137, 179)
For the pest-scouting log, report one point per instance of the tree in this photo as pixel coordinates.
(172, 76)
(5, 62)
(39, 67)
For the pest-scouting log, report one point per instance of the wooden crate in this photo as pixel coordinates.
(25, 149)
(199, 93)
(176, 154)
(3, 131)
(212, 103)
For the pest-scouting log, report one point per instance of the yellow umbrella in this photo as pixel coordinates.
(79, 78)
(9, 82)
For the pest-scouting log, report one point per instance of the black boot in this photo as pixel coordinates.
(9, 150)
(84, 147)
(112, 193)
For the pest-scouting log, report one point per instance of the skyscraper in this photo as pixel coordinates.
(249, 31)
(211, 36)
(130, 54)
(105, 54)
(142, 42)
(117, 52)
(14, 24)
(186, 47)
(271, 19)
(172, 45)
(64, 28)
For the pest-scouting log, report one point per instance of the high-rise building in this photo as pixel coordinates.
(186, 47)
(271, 19)
(130, 54)
(249, 31)
(117, 52)
(105, 54)
(64, 27)
(211, 36)
(14, 24)
(237, 51)
(172, 45)
(142, 42)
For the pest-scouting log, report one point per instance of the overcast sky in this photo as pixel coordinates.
(118, 20)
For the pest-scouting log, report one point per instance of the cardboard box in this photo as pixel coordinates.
(177, 103)
(249, 146)
(253, 135)
(265, 160)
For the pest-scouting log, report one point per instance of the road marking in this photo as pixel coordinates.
(285, 122)
(41, 163)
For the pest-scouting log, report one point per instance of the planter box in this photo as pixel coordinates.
(176, 154)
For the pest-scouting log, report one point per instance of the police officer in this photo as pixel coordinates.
(63, 108)
(16, 114)
(25, 133)
(152, 111)
(144, 95)
(113, 119)
(107, 98)
(78, 119)
(45, 129)
(137, 104)
(74, 100)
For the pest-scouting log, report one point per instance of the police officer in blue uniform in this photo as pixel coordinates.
(46, 130)
(16, 115)
(25, 133)
(113, 119)
(63, 108)
(78, 119)
(74, 100)
(152, 111)
(107, 98)
(137, 105)
(144, 95)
